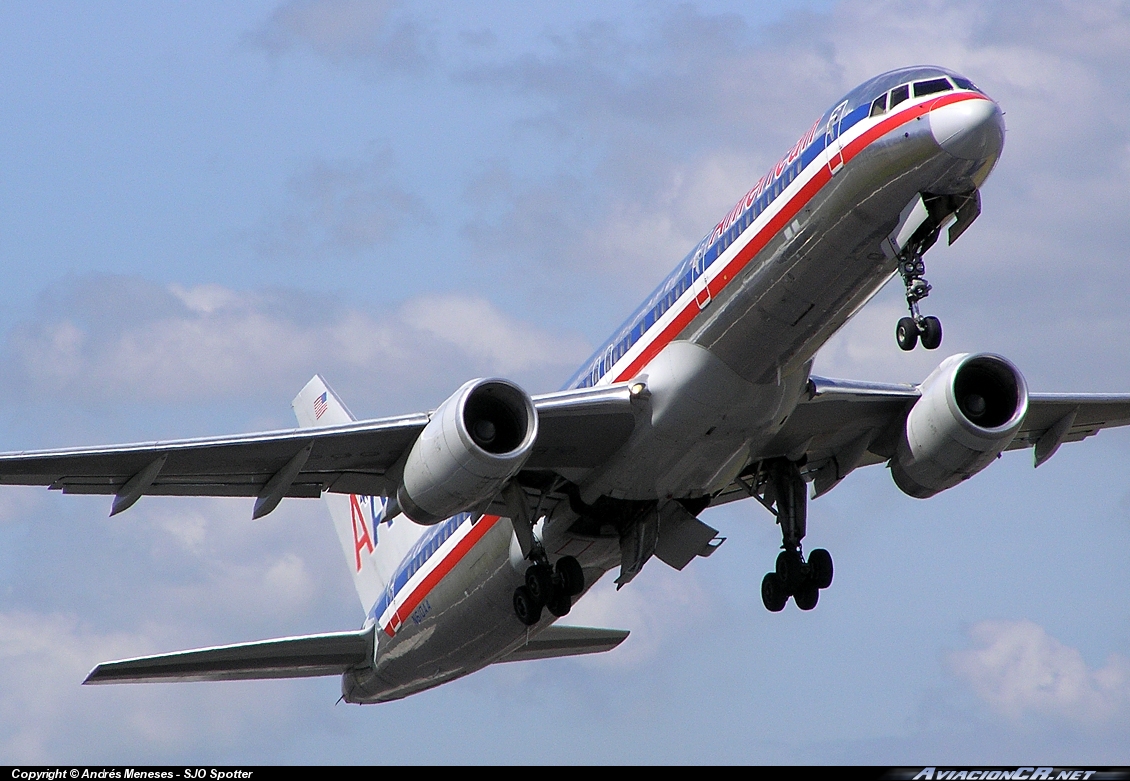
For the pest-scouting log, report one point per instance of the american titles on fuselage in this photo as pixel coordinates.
(689, 275)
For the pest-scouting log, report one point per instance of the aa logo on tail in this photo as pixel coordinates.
(361, 537)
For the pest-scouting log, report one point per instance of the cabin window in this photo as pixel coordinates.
(899, 94)
(879, 106)
(922, 88)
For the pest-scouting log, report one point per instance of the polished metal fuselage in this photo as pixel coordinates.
(719, 391)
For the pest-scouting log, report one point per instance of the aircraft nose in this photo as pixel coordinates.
(969, 129)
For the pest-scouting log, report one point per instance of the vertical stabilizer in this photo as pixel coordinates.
(373, 547)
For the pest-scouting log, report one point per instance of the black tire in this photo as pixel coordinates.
(807, 597)
(789, 570)
(571, 575)
(820, 568)
(773, 593)
(560, 604)
(906, 333)
(526, 607)
(539, 581)
(931, 333)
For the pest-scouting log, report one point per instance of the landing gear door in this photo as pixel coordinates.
(832, 139)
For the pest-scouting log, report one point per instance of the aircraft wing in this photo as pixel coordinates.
(577, 429)
(287, 657)
(554, 641)
(843, 425)
(316, 655)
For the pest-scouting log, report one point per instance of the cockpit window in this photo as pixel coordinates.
(965, 84)
(899, 94)
(879, 106)
(930, 87)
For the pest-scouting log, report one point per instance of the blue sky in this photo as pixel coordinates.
(201, 205)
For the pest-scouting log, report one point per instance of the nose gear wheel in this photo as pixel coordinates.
(912, 268)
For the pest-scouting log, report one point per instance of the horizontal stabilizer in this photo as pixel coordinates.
(554, 641)
(286, 657)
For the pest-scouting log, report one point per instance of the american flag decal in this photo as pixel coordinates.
(320, 406)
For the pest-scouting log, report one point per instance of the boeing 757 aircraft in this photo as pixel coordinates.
(471, 529)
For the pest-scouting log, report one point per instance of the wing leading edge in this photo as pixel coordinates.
(578, 429)
(842, 425)
(286, 657)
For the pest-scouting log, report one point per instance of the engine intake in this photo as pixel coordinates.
(970, 409)
(477, 440)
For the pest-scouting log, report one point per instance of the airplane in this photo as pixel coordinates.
(471, 529)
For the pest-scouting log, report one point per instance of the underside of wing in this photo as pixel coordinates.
(1055, 418)
(839, 425)
(288, 657)
(349, 456)
(842, 425)
(555, 641)
(580, 429)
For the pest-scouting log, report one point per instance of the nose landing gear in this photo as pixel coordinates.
(911, 329)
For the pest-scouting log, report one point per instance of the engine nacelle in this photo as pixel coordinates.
(971, 408)
(477, 440)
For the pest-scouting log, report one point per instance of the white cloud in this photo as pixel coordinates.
(212, 342)
(41, 655)
(477, 328)
(205, 299)
(628, 231)
(269, 588)
(347, 31)
(206, 557)
(341, 208)
(47, 717)
(658, 603)
(1018, 669)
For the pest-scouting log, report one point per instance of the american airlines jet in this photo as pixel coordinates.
(471, 529)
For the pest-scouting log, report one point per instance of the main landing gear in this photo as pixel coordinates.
(911, 329)
(548, 587)
(783, 491)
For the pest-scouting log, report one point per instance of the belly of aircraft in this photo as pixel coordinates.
(464, 623)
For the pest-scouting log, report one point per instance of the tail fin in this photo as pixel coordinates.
(373, 547)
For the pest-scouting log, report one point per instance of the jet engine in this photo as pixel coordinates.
(477, 440)
(971, 407)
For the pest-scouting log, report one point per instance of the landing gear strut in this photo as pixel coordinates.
(911, 329)
(784, 493)
(548, 587)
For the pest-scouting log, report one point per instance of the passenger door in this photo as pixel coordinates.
(832, 139)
